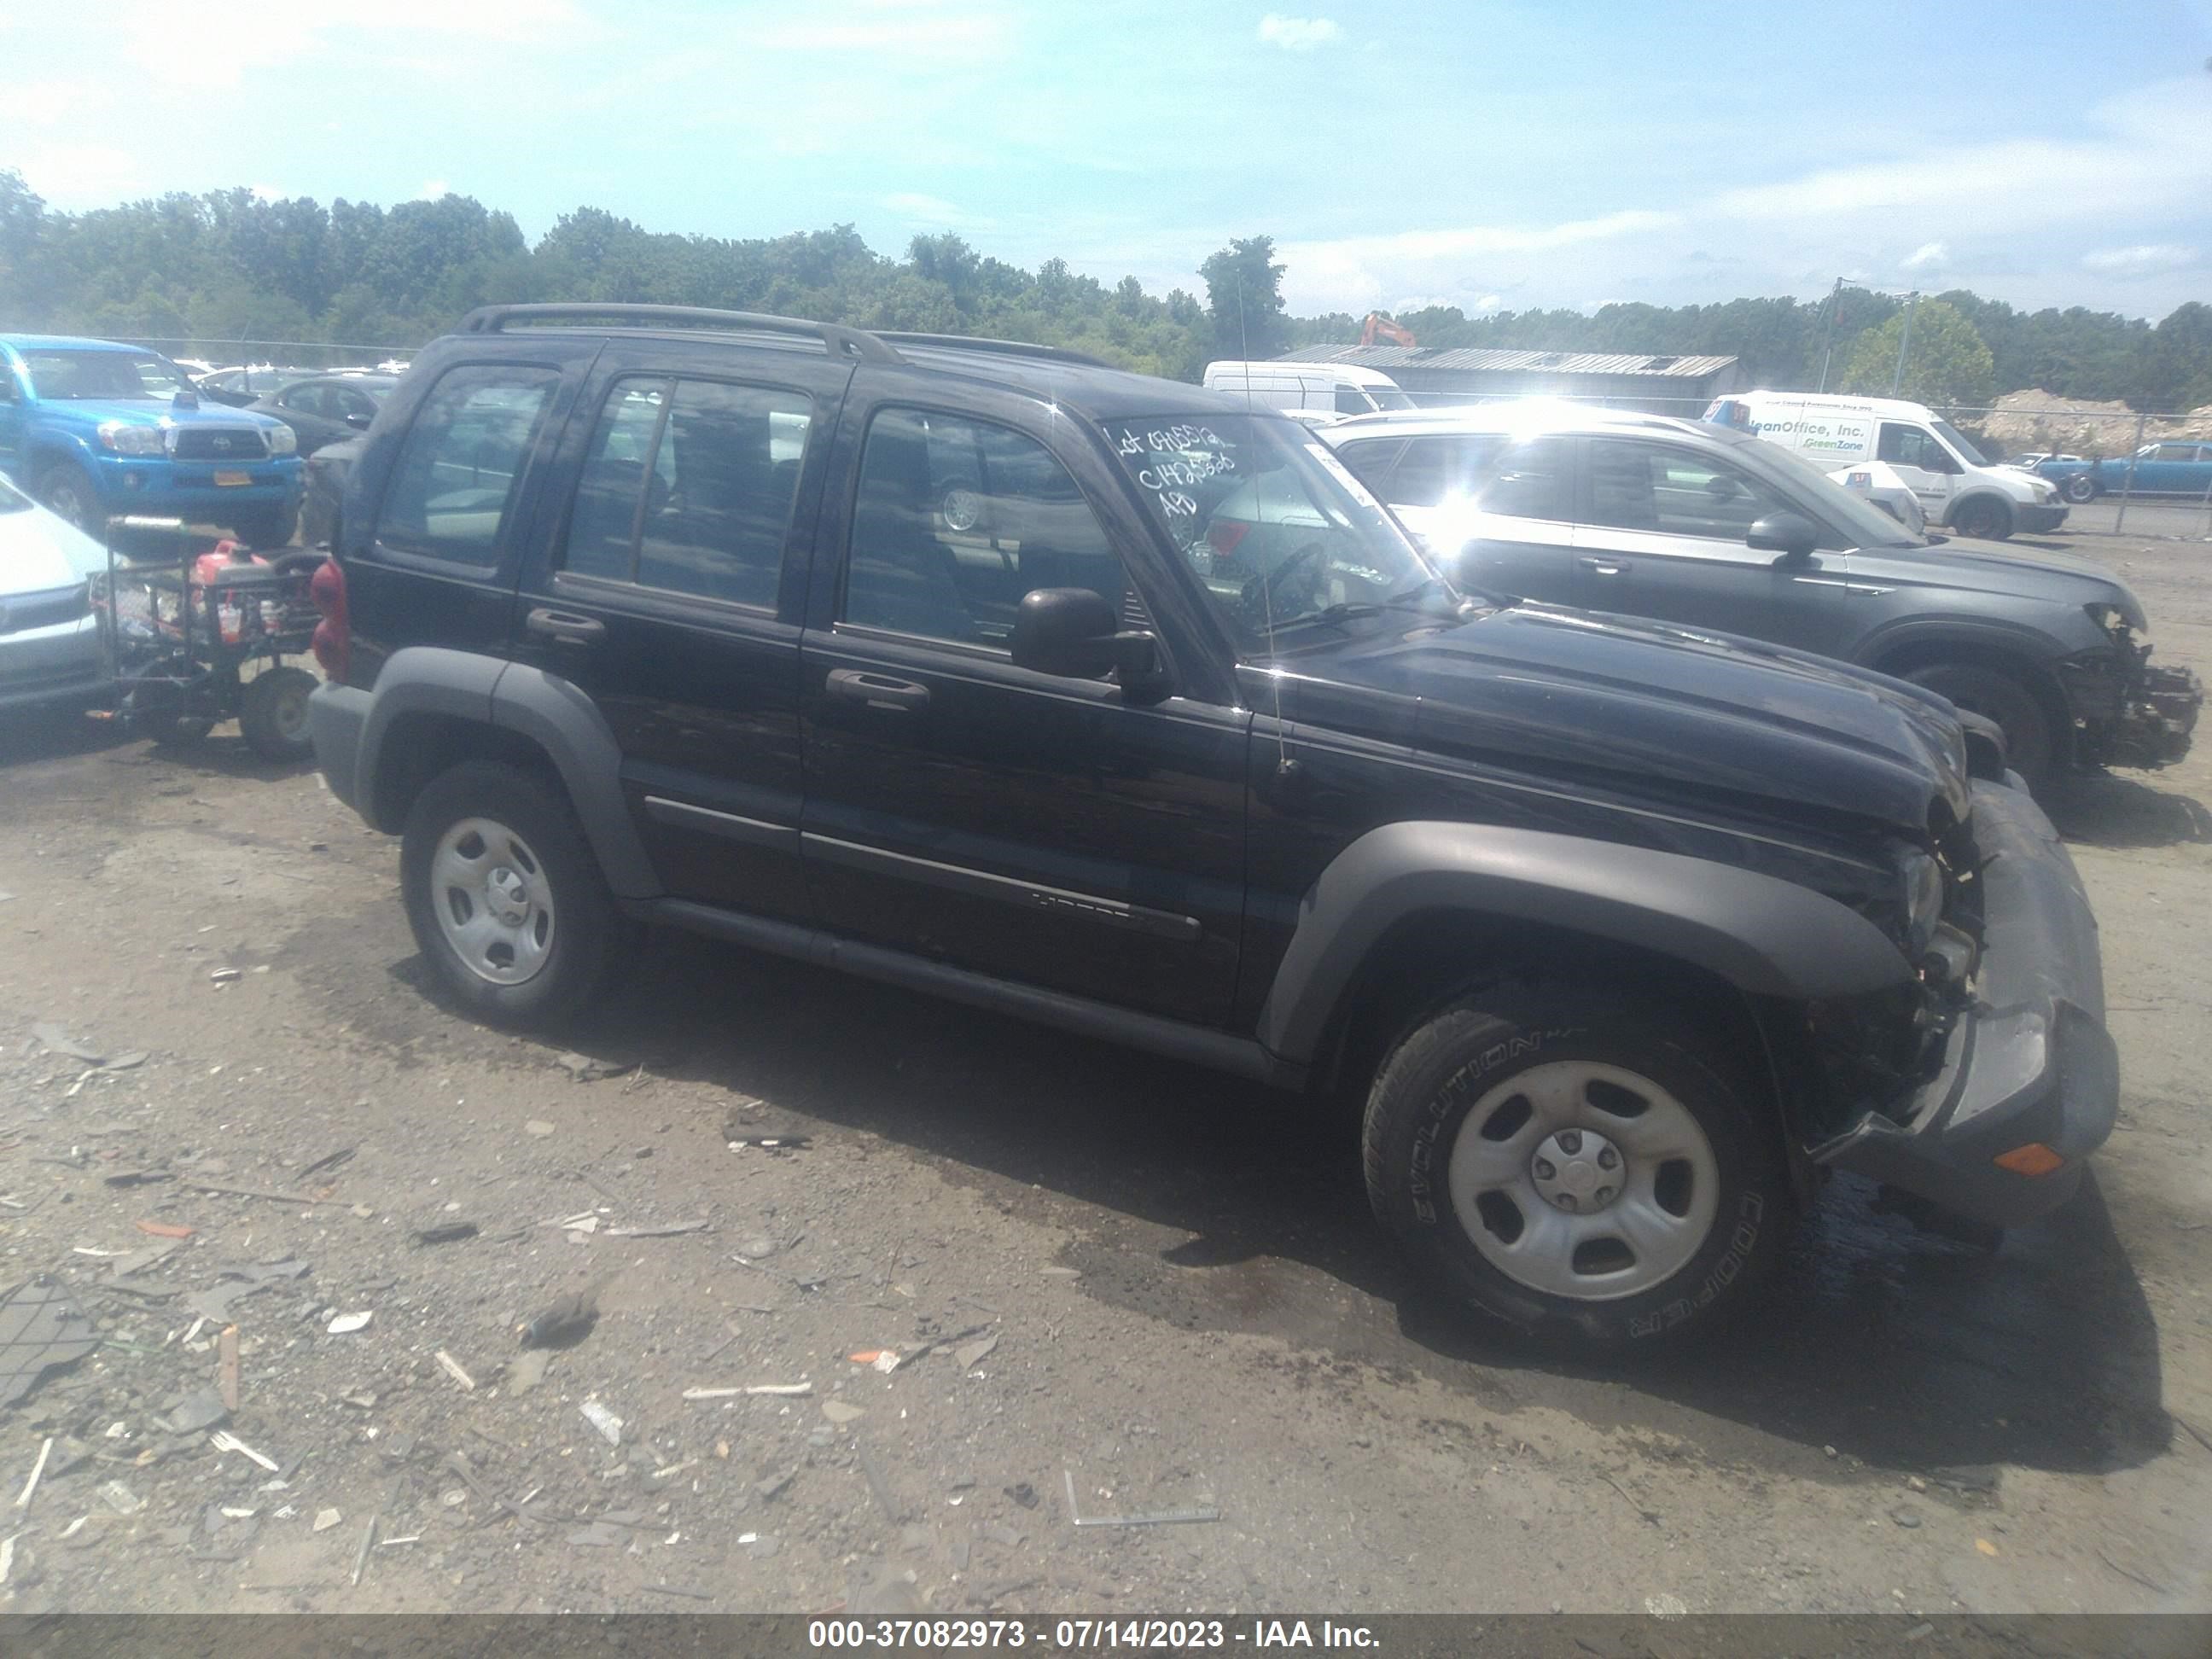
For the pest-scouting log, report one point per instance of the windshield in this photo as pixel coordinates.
(1951, 435)
(1278, 531)
(103, 374)
(1865, 524)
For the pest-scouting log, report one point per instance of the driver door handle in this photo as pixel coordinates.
(877, 690)
(1598, 566)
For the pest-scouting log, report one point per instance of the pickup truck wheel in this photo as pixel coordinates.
(2080, 488)
(1575, 1165)
(1997, 695)
(64, 490)
(504, 895)
(268, 527)
(1983, 518)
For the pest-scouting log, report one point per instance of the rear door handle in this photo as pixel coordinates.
(877, 690)
(565, 626)
(1598, 567)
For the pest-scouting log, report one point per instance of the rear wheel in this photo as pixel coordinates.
(1995, 694)
(1574, 1163)
(504, 895)
(272, 715)
(1983, 518)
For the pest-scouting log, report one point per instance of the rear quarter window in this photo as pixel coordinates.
(461, 465)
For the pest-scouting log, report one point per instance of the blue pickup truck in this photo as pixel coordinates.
(93, 428)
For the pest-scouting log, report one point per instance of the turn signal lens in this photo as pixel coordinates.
(2033, 1159)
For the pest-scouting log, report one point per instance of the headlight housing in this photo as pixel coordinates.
(1920, 892)
(130, 438)
(282, 440)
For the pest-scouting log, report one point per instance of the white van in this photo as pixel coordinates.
(1307, 390)
(1958, 486)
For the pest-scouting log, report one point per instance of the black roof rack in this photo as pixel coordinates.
(1003, 348)
(835, 337)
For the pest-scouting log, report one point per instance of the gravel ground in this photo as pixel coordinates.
(1101, 1274)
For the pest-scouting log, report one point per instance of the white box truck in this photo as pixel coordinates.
(1312, 392)
(1958, 487)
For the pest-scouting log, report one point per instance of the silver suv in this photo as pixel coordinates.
(1693, 523)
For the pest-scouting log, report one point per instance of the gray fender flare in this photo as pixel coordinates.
(549, 711)
(1763, 935)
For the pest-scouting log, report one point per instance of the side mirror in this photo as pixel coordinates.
(1790, 534)
(1072, 632)
(358, 421)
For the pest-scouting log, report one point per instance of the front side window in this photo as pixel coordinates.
(1962, 447)
(1675, 492)
(105, 374)
(1912, 446)
(461, 465)
(1278, 531)
(1351, 400)
(683, 488)
(956, 520)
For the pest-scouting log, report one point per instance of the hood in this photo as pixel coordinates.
(1995, 568)
(40, 552)
(148, 411)
(1677, 711)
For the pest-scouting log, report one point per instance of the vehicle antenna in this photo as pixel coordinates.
(1267, 588)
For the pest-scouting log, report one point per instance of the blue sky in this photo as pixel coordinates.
(1474, 154)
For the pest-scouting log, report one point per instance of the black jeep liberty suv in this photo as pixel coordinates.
(990, 671)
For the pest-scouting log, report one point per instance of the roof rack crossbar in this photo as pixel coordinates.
(1003, 348)
(835, 337)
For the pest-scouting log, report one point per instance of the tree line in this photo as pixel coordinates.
(231, 266)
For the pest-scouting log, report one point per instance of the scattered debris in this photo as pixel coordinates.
(347, 1324)
(327, 1161)
(539, 1127)
(609, 1426)
(1967, 1477)
(56, 1040)
(224, 975)
(134, 1177)
(451, 1233)
(23, 1499)
(2151, 1584)
(1906, 1515)
(584, 1069)
(566, 1322)
(203, 1408)
(882, 1360)
(877, 1484)
(586, 1221)
(163, 1229)
(41, 1330)
(1024, 1494)
(1161, 1518)
(1984, 1546)
(453, 1368)
(226, 1369)
(326, 1519)
(975, 1353)
(679, 1590)
(223, 1440)
(1920, 1632)
(120, 1498)
(843, 1411)
(305, 1200)
(1665, 1605)
(528, 1371)
(659, 1232)
(771, 1488)
(772, 1143)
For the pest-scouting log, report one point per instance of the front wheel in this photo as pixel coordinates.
(272, 715)
(504, 895)
(2002, 697)
(2080, 488)
(1983, 518)
(64, 490)
(270, 527)
(1574, 1163)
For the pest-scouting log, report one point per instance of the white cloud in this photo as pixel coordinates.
(1297, 34)
(433, 189)
(1928, 256)
(2141, 260)
(918, 209)
(87, 174)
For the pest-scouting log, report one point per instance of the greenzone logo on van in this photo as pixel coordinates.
(1815, 435)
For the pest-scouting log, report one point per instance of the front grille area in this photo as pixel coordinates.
(22, 611)
(219, 443)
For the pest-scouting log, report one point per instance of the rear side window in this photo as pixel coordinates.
(461, 465)
(689, 486)
(1528, 480)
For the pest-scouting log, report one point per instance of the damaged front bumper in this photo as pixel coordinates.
(2029, 1065)
(2129, 713)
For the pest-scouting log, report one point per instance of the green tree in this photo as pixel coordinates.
(1244, 299)
(1945, 362)
(2172, 367)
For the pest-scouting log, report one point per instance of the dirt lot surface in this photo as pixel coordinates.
(1102, 1274)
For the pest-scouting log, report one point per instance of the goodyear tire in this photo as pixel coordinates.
(1575, 1165)
(504, 895)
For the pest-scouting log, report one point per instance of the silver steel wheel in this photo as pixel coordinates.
(493, 902)
(1584, 1180)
